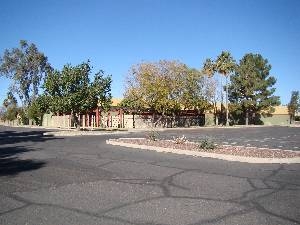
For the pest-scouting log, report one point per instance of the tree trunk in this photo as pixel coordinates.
(159, 119)
(173, 118)
(216, 119)
(153, 124)
(133, 120)
(247, 118)
(292, 119)
(227, 110)
(41, 120)
(76, 121)
(222, 93)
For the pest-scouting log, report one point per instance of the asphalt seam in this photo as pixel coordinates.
(247, 203)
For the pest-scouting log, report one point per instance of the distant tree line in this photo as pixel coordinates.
(70, 90)
(294, 106)
(245, 89)
(167, 87)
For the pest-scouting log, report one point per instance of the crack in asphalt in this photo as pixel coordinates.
(248, 201)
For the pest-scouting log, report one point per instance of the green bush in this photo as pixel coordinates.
(35, 114)
(22, 117)
(11, 113)
(207, 144)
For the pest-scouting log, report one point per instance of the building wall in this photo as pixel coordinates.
(276, 119)
(128, 121)
(49, 120)
(111, 119)
(10, 123)
(209, 119)
(117, 119)
(144, 121)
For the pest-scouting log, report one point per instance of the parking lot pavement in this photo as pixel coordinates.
(287, 138)
(81, 180)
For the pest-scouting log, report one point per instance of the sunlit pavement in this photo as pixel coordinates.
(276, 137)
(81, 180)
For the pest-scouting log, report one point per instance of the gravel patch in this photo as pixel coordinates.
(221, 149)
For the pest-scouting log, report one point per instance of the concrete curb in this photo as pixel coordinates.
(203, 127)
(207, 155)
(83, 133)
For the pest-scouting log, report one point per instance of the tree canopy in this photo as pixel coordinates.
(26, 67)
(166, 87)
(163, 88)
(294, 104)
(209, 67)
(71, 91)
(10, 100)
(225, 64)
(38, 107)
(251, 89)
(10, 110)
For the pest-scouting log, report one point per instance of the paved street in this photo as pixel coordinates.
(287, 138)
(81, 180)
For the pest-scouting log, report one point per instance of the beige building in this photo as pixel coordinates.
(117, 118)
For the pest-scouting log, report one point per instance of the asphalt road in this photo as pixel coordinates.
(81, 180)
(287, 138)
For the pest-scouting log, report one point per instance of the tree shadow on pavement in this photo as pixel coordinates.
(10, 151)
(13, 137)
(11, 164)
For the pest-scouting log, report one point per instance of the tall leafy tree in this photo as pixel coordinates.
(209, 69)
(294, 104)
(26, 67)
(10, 100)
(197, 91)
(164, 88)
(38, 108)
(225, 65)
(101, 90)
(251, 88)
(71, 91)
(2, 113)
(11, 108)
(149, 88)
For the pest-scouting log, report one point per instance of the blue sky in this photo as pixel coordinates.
(115, 34)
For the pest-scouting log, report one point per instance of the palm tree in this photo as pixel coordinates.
(209, 69)
(225, 65)
(10, 100)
